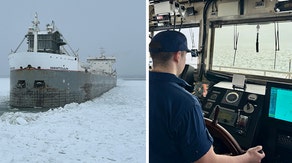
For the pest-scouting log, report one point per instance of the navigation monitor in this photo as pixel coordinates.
(279, 101)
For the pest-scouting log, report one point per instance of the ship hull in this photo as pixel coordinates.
(41, 88)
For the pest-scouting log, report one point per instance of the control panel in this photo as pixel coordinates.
(240, 110)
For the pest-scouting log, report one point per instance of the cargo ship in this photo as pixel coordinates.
(47, 76)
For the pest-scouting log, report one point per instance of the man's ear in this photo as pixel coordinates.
(176, 56)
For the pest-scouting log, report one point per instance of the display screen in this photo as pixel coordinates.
(280, 102)
(225, 116)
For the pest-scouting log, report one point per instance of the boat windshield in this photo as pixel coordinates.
(262, 49)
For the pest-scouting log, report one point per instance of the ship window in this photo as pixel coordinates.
(21, 84)
(261, 49)
(39, 84)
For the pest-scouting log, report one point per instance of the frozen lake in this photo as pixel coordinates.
(108, 129)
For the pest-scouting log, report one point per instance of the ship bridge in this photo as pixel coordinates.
(47, 42)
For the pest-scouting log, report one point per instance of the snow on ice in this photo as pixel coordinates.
(108, 129)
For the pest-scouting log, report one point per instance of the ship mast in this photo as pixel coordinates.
(35, 32)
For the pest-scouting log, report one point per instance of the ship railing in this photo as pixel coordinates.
(250, 71)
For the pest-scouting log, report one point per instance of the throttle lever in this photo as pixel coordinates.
(216, 113)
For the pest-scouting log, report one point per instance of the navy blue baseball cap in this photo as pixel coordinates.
(169, 41)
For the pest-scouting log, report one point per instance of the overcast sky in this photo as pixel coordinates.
(88, 25)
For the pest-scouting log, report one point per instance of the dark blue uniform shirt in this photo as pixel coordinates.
(177, 131)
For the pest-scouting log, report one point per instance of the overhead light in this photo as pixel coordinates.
(174, 7)
(182, 11)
